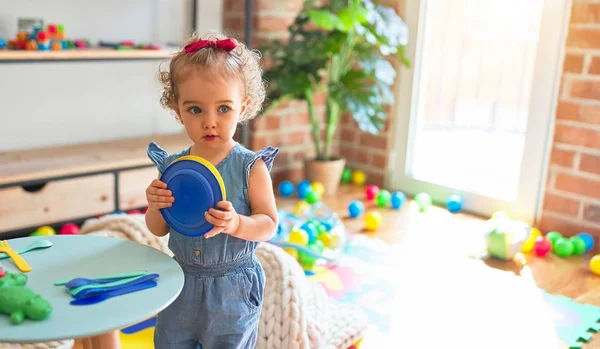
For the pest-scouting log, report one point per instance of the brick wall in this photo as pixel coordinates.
(286, 127)
(572, 199)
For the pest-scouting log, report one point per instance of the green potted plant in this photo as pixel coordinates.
(341, 48)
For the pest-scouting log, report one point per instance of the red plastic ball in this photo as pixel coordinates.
(134, 212)
(542, 246)
(69, 229)
(371, 191)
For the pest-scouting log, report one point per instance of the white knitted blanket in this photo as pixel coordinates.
(297, 313)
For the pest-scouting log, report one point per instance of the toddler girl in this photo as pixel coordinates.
(213, 84)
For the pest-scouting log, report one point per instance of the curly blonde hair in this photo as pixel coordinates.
(241, 63)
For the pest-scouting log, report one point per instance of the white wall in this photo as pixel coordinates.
(57, 103)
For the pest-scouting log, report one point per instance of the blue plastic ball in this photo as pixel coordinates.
(397, 200)
(327, 226)
(303, 189)
(588, 239)
(356, 208)
(286, 188)
(312, 231)
(454, 203)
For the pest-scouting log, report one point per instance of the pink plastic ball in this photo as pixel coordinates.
(69, 229)
(134, 212)
(371, 191)
(542, 246)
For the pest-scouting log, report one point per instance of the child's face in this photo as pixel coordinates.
(210, 106)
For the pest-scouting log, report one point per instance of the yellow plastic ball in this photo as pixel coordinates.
(329, 240)
(530, 242)
(373, 220)
(292, 252)
(298, 236)
(302, 208)
(359, 177)
(318, 187)
(595, 264)
(46, 230)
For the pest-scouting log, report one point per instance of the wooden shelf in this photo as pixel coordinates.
(36, 164)
(86, 54)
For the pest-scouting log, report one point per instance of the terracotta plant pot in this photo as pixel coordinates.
(329, 173)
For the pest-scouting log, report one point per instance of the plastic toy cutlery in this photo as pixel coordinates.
(37, 244)
(19, 261)
(81, 281)
(120, 291)
(92, 289)
(111, 285)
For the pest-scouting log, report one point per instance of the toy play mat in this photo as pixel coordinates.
(362, 276)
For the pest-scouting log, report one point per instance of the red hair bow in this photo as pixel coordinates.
(226, 44)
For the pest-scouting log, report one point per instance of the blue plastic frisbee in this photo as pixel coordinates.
(197, 186)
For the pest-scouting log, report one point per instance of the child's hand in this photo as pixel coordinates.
(158, 196)
(225, 220)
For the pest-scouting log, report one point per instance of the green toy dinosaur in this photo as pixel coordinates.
(21, 302)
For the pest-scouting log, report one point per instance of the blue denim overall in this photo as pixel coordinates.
(221, 300)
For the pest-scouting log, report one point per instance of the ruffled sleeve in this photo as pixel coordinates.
(267, 154)
(158, 155)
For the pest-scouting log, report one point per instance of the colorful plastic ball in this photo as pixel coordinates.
(69, 229)
(321, 229)
(318, 187)
(595, 264)
(307, 259)
(302, 208)
(346, 175)
(298, 236)
(327, 226)
(563, 247)
(578, 246)
(286, 188)
(553, 236)
(397, 200)
(454, 203)
(534, 233)
(46, 230)
(371, 191)
(132, 212)
(35, 233)
(313, 197)
(328, 240)
(542, 246)
(589, 240)
(356, 208)
(373, 220)
(311, 230)
(423, 200)
(359, 177)
(303, 189)
(383, 198)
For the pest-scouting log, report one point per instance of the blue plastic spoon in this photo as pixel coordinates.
(118, 292)
(90, 290)
(81, 281)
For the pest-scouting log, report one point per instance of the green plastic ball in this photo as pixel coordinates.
(424, 201)
(578, 246)
(321, 228)
(313, 197)
(346, 175)
(563, 247)
(383, 198)
(308, 260)
(553, 236)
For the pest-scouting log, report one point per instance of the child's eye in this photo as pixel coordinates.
(224, 109)
(195, 110)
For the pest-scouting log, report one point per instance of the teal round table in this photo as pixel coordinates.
(88, 256)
